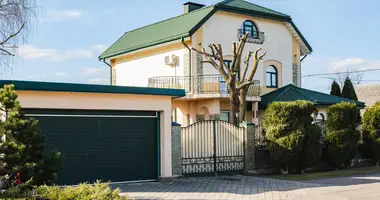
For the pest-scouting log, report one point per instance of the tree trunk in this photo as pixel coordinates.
(243, 105)
(234, 103)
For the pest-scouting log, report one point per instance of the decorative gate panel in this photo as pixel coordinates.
(212, 146)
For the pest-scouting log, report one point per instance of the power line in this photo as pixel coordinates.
(337, 73)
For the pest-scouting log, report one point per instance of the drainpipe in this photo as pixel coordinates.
(303, 58)
(104, 60)
(190, 61)
(301, 70)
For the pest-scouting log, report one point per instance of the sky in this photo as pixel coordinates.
(69, 35)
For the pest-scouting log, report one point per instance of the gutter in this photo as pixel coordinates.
(104, 60)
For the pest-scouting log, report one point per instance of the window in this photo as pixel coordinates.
(271, 76)
(250, 27)
(225, 116)
(228, 63)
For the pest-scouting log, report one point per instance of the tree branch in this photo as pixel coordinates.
(210, 59)
(5, 52)
(12, 35)
(246, 62)
(256, 61)
(247, 83)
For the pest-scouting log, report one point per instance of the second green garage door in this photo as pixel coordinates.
(102, 145)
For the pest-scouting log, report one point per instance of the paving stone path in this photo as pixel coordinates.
(239, 187)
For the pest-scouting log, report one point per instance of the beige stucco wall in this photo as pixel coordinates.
(96, 101)
(187, 111)
(223, 27)
(134, 69)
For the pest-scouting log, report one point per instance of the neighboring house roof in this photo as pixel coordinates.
(369, 93)
(292, 93)
(185, 25)
(87, 88)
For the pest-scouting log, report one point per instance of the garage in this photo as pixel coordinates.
(106, 145)
(108, 133)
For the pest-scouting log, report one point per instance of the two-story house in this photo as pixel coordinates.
(161, 55)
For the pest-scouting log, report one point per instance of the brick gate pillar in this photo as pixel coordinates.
(176, 149)
(249, 151)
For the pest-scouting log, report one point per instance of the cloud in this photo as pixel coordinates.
(63, 15)
(62, 74)
(31, 52)
(92, 71)
(354, 64)
(102, 81)
(98, 47)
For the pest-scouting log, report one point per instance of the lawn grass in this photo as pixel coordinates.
(326, 174)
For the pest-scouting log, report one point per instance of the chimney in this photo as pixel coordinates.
(190, 6)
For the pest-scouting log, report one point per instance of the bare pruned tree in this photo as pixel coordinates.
(355, 76)
(15, 20)
(237, 83)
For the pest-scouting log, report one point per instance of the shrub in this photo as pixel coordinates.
(342, 136)
(23, 147)
(371, 131)
(97, 191)
(293, 140)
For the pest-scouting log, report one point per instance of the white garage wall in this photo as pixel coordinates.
(223, 27)
(137, 72)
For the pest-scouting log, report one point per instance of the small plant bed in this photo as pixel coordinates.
(325, 174)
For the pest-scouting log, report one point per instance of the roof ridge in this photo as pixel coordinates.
(170, 19)
(285, 89)
(228, 1)
(298, 90)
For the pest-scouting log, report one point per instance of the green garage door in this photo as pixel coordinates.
(101, 145)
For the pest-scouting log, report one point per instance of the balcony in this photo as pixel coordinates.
(253, 37)
(207, 86)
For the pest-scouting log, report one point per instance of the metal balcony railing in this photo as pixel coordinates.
(253, 37)
(207, 84)
(172, 82)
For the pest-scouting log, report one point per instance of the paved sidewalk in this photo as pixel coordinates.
(256, 188)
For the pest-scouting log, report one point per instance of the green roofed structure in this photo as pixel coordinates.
(293, 93)
(185, 25)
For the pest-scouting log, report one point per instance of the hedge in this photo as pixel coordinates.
(342, 136)
(371, 131)
(294, 142)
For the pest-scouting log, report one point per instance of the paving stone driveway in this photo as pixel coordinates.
(257, 188)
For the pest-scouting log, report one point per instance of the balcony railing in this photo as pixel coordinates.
(207, 84)
(253, 37)
(173, 82)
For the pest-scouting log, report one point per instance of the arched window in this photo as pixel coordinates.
(271, 76)
(250, 27)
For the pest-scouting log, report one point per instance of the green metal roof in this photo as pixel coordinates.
(185, 25)
(74, 87)
(292, 93)
(161, 32)
(250, 7)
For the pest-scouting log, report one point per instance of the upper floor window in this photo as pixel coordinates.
(250, 28)
(271, 76)
(228, 63)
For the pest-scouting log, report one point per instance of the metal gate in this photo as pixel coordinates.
(212, 146)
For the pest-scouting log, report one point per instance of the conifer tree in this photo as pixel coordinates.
(22, 147)
(348, 90)
(335, 89)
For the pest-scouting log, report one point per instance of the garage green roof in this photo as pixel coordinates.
(185, 25)
(293, 93)
(87, 88)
